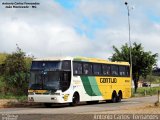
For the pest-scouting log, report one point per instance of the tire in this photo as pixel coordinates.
(48, 105)
(114, 98)
(119, 98)
(75, 99)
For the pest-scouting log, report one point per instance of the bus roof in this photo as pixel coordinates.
(79, 58)
(53, 59)
(98, 60)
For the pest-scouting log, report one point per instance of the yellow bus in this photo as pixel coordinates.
(76, 79)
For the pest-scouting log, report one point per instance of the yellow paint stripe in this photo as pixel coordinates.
(38, 91)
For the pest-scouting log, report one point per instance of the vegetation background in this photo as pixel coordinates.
(14, 74)
(143, 62)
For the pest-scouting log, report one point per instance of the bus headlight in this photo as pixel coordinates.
(30, 93)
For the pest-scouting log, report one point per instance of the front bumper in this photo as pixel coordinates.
(46, 99)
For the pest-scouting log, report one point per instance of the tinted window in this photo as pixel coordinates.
(106, 69)
(65, 81)
(122, 71)
(47, 65)
(87, 69)
(97, 69)
(77, 68)
(66, 65)
(127, 71)
(114, 70)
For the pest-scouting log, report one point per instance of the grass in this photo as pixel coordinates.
(11, 96)
(22, 98)
(157, 81)
(144, 91)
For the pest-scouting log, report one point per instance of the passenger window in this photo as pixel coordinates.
(97, 69)
(114, 70)
(122, 71)
(87, 69)
(77, 68)
(106, 69)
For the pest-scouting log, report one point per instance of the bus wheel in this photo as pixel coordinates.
(119, 97)
(48, 105)
(75, 99)
(114, 97)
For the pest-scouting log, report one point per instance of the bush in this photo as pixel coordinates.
(16, 73)
(2, 84)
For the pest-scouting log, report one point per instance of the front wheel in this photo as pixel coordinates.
(75, 99)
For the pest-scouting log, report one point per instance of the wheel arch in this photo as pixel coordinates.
(114, 93)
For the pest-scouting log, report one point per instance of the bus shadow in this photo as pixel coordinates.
(66, 105)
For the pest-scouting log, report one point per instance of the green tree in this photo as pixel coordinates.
(16, 72)
(2, 57)
(142, 62)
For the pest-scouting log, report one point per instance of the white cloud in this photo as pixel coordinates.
(94, 7)
(49, 30)
(42, 41)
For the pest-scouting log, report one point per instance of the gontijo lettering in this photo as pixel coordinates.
(108, 80)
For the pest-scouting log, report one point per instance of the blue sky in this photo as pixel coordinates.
(79, 27)
(92, 24)
(153, 17)
(68, 4)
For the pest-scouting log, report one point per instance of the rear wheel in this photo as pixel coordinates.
(75, 99)
(114, 97)
(119, 97)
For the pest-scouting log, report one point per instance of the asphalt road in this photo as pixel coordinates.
(83, 108)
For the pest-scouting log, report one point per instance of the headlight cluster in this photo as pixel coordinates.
(30, 93)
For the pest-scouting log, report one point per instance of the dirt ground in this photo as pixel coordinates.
(4, 102)
(144, 109)
(123, 111)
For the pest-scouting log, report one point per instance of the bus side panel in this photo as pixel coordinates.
(91, 88)
(106, 86)
(78, 86)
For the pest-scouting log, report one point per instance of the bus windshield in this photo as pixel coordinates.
(47, 65)
(47, 80)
